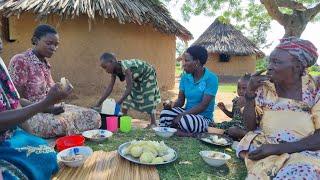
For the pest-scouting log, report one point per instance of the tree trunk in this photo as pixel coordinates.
(295, 24)
(294, 28)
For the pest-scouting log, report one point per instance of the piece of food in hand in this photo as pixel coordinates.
(167, 104)
(65, 83)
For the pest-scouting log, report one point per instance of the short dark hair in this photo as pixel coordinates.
(107, 57)
(198, 53)
(245, 77)
(42, 30)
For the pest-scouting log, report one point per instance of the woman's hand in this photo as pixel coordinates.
(177, 119)
(57, 93)
(55, 110)
(167, 104)
(221, 106)
(264, 151)
(256, 81)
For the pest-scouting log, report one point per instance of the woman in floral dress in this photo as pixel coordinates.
(282, 113)
(31, 74)
(22, 155)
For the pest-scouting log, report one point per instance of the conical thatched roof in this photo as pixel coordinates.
(224, 38)
(125, 11)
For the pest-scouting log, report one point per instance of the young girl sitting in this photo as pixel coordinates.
(235, 128)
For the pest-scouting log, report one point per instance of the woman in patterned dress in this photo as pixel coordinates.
(22, 155)
(282, 115)
(31, 74)
(142, 91)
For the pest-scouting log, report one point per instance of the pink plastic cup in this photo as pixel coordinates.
(112, 123)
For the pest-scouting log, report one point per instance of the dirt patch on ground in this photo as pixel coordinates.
(81, 98)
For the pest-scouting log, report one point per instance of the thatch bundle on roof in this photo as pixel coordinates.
(125, 11)
(223, 38)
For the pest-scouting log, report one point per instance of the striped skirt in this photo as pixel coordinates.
(189, 123)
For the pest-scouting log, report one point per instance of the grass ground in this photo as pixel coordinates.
(227, 87)
(314, 73)
(188, 150)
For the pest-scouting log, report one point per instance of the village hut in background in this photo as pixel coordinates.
(231, 54)
(141, 29)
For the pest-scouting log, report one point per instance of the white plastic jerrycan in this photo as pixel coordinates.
(108, 107)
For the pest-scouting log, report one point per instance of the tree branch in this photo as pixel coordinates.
(273, 10)
(312, 12)
(291, 5)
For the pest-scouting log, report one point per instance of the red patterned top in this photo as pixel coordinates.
(31, 75)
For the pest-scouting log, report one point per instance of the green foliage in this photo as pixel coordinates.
(180, 47)
(249, 16)
(178, 69)
(261, 64)
(314, 73)
(314, 68)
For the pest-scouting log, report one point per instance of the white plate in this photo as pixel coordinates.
(136, 160)
(103, 133)
(207, 140)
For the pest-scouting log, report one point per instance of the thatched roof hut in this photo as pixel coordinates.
(125, 11)
(141, 29)
(223, 38)
(230, 52)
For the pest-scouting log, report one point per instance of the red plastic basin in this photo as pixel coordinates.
(69, 141)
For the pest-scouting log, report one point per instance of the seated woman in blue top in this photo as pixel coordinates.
(198, 88)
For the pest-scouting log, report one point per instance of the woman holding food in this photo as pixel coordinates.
(22, 155)
(31, 74)
(282, 116)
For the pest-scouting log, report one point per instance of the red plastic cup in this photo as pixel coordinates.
(112, 123)
(69, 141)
